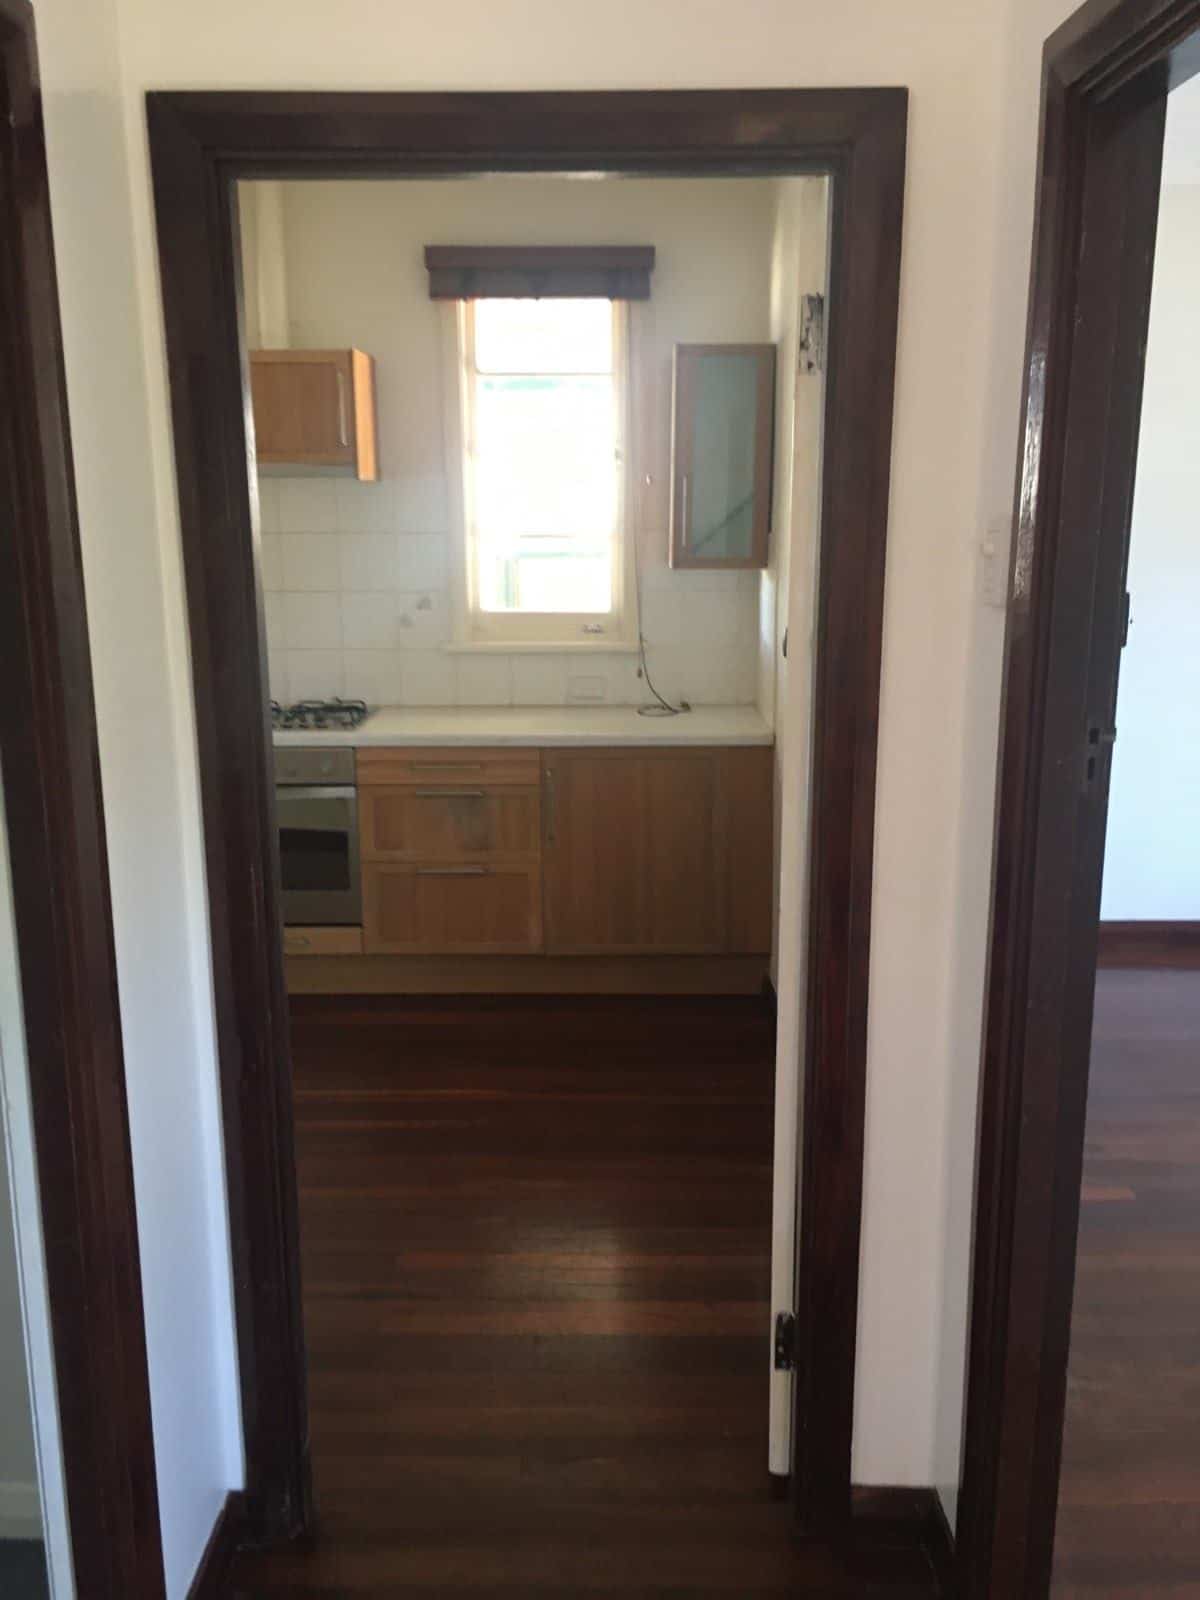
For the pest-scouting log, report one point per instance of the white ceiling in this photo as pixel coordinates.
(1181, 156)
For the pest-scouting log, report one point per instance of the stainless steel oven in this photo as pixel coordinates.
(316, 809)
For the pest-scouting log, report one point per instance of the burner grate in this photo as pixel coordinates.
(319, 714)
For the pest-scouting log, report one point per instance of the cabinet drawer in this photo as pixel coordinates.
(448, 822)
(449, 767)
(452, 909)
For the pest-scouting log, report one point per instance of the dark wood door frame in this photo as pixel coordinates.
(61, 893)
(1107, 73)
(200, 144)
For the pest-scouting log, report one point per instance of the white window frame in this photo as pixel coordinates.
(475, 629)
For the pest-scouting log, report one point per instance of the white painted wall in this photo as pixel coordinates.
(1152, 856)
(933, 825)
(148, 765)
(28, 1383)
(20, 1507)
(356, 575)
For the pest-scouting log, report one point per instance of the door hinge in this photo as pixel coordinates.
(1097, 739)
(785, 1342)
(812, 333)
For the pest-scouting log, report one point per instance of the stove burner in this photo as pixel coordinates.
(318, 714)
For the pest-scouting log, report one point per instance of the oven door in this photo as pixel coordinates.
(318, 855)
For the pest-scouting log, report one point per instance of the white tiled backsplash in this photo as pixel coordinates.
(357, 605)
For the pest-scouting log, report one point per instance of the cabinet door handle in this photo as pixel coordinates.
(450, 794)
(452, 872)
(551, 808)
(683, 509)
(343, 421)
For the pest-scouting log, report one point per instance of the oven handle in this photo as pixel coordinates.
(314, 791)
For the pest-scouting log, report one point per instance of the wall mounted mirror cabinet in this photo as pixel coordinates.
(722, 447)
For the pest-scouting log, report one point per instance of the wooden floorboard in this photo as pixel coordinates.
(1129, 1501)
(536, 1255)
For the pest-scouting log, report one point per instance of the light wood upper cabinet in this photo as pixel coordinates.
(657, 851)
(722, 443)
(315, 408)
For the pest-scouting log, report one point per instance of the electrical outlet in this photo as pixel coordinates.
(586, 690)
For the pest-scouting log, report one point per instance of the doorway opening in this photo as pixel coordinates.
(642, 842)
(1076, 1204)
(1124, 1499)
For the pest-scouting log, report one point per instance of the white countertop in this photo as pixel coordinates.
(543, 726)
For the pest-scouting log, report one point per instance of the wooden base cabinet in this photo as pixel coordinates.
(581, 852)
(452, 909)
(657, 852)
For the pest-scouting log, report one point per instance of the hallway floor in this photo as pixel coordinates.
(535, 1243)
(1129, 1504)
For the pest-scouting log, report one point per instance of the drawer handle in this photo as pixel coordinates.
(296, 941)
(343, 425)
(450, 794)
(446, 766)
(452, 872)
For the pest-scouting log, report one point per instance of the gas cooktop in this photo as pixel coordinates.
(315, 715)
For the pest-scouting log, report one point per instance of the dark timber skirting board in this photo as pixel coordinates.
(61, 897)
(199, 144)
(1149, 944)
(210, 1582)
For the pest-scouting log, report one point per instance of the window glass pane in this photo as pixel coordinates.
(543, 335)
(545, 473)
(522, 577)
(545, 456)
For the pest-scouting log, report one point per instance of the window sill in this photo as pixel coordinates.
(542, 647)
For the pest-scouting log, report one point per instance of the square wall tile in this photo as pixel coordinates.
(312, 621)
(539, 680)
(273, 608)
(663, 616)
(722, 614)
(365, 507)
(484, 680)
(310, 561)
(423, 620)
(373, 676)
(625, 688)
(422, 561)
(314, 674)
(272, 562)
(277, 676)
(307, 505)
(369, 621)
(427, 678)
(268, 505)
(422, 505)
(367, 561)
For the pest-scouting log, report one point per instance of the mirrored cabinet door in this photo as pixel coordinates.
(722, 447)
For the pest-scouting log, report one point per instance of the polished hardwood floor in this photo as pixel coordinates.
(535, 1240)
(1129, 1501)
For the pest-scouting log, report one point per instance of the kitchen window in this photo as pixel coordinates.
(542, 416)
